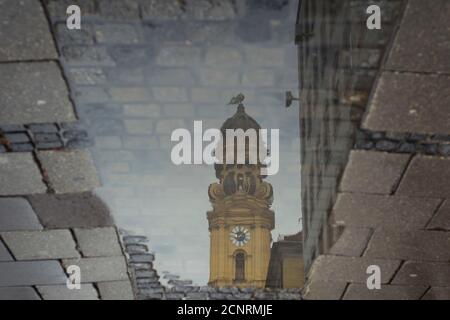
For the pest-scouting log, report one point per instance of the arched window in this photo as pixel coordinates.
(239, 261)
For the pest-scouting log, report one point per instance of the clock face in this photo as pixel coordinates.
(239, 236)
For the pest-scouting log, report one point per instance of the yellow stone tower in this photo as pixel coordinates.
(241, 221)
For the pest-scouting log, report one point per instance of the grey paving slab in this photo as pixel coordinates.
(16, 214)
(116, 290)
(391, 108)
(61, 292)
(19, 174)
(437, 293)
(51, 244)
(426, 176)
(100, 269)
(18, 293)
(387, 292)
(73, 210)
(372, 211)
(70, 171)
(434, 274)
(427, 23)
(25, 33)
(28, 273)
(324, 290)
(98, 242)
(25, 98)
(352, 242)
(350, 269)
(441, 221)
(372, 172)
(4, 254)
(395, 243)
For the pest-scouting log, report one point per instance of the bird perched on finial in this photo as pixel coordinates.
(237, 99)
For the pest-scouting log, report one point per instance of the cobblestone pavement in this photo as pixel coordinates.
(49, 218)
(152, 286)
(139, 69)
(375, 156)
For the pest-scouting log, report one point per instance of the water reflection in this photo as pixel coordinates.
(158, 74)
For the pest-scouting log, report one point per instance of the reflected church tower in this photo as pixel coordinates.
(241, 220)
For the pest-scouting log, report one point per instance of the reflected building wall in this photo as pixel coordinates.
(338, 63)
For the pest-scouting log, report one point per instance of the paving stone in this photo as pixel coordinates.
(372, 172)
(16, 214)
(258, 78)
(116, 290)
(77, 210)
(253, 31)
(27, 273)
(129, 95)
(87, 76)
(265, 57)
(352, 242)
(58, 8)
(141, 143)
(138, 126)
(21, 147)
(116, 34)
(217, 56)
(168, 125)
(142, 258)
(46, 137)
(426, 176)
(179, 110)
(100, 269)
(441, 221)
(72, 171)
(42, 245)
(395, 243)
(170, 94)
(91, 95)
(387, 292)
(423, 273)
(209, 10)
(76, 55)
(391, 110)
(425, 23)
(437, 293)
(25, 98)
(4, 254)
(158, 10)
(16, 137)
(43, 128)
(350, 269)
(130, 59)
(179, 296)
(171, 77)
(66, 36)
(178, 56)
(119, 9)
(219, 77)
(98, 242)
(25, 33)
(86, 292)
(366, 210)
(19, 174)
(108, 142)
(142, 110)
(18, 293)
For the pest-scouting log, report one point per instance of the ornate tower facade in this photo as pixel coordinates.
(241, 221)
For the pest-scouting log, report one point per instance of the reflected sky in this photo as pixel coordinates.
(166, 74)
